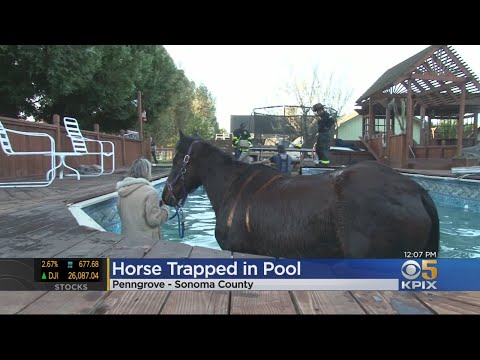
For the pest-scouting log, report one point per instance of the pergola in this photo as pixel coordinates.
(435, 82)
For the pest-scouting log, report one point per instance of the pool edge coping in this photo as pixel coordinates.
(83, 219)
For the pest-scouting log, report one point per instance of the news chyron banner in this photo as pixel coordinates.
(239, 274)
(305, 274)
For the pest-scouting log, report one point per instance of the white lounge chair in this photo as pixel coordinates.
(8, 150)
(471, 153)
(80, 149)
(466, 171)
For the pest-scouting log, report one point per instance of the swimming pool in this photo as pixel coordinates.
(458, 205)
(101, 213)
(457, 201)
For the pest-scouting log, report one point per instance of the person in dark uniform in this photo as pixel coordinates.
(325, 122)
(241, 140)
(153, 150)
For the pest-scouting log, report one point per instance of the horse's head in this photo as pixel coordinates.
(183, 178)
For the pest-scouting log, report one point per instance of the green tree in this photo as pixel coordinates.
(36, 75)
(99, 84)
(447, 129)
(177, 115)
(159, 82)
(107, 97)
(204, 122)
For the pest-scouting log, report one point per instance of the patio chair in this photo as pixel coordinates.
(463, 172)
(80, 148)
(9, 151)
(471, 153)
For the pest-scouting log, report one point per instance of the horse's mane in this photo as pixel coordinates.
(222, 157)
(214, 150)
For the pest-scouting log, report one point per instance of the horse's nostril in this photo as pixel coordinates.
(166, 197)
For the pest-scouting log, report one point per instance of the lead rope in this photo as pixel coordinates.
(179, 206)
(181, 220)
(180, 214)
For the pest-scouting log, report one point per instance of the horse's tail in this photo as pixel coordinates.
(433, 243)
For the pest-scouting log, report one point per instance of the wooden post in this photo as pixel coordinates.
(371, 119)
(387, 126)
(424, 137)
(124, 155)
(409, 116)
(460, 121)
(404, 157)
(58, 133)
(429, 129)
(96, 129)
(409, 125)
(475, 128)
(140, 119)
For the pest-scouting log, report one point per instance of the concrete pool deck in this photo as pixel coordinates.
(35, 222)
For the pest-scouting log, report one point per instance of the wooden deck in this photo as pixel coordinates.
(35, 222)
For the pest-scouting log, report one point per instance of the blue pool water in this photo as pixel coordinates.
(459, 232)
(199, 219)
(457, 201)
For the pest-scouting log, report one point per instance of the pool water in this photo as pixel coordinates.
(459, 226)
(459, 232)
(198, 212)
(199, 222)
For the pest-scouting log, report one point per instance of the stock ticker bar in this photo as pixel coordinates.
(53, 274)
(68, 270)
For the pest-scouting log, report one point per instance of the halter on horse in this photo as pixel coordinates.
(179, 204)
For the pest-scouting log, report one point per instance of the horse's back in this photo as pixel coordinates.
(382, 213)
(367, 210)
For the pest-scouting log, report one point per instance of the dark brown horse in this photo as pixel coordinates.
(367, 210)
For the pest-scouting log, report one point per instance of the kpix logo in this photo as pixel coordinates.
(419, 277)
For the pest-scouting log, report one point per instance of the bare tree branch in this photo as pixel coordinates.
(329, 92)
(309, 91)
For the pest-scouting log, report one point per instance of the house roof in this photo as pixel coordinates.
(436, 75)
(347, 117)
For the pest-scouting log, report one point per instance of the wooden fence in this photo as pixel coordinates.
(396, 154)
(165, 154)
(35, 166)
(396, 150)
(435, 151)
(376, 145)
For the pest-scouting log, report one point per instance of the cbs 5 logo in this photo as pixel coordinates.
(411, 269)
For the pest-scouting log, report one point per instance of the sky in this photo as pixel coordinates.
(243, 77)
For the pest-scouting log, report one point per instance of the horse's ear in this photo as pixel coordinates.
(181, 134)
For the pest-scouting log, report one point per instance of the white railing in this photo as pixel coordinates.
(222, 136)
